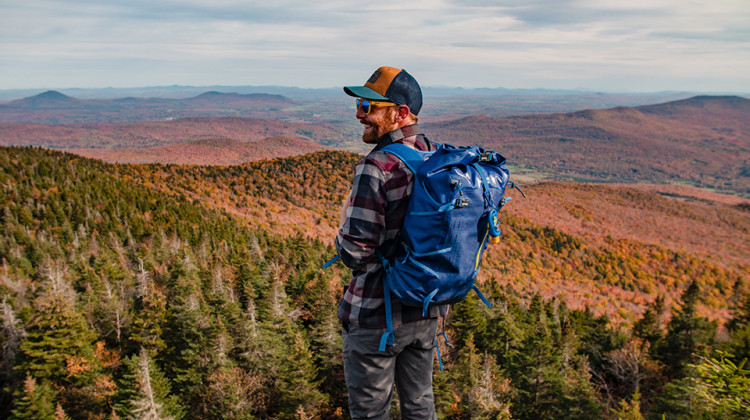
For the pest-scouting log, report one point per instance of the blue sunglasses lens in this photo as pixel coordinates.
(365, 104)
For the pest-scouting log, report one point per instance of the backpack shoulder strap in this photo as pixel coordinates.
(413, 158)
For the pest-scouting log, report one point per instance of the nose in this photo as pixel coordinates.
(360, 114)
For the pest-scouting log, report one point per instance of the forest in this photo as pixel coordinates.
(196, 292)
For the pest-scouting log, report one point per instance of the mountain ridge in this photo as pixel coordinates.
(700, 141)
(53, 107)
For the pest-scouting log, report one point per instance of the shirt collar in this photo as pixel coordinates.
(398, 135)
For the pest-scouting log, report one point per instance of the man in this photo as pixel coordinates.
(372, 217)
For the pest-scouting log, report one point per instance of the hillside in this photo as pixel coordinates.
(207, 151)
(651, 239)
(158, 133)
(205, 283)
(702, 141)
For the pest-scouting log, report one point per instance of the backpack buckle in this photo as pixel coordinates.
(486, 157)
(462, 202)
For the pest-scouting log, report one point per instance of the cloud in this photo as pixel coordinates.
(519, 43)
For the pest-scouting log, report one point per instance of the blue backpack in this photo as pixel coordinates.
(451, 217)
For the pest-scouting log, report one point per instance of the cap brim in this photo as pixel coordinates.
(364, 93)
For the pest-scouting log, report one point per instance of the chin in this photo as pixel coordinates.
(370, 138)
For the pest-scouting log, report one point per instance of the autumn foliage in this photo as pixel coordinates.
(196, 292)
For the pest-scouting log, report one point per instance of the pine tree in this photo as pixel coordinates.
(149, 313)
(187, 356)
(687, 334)
(714, 388)
(56, 332)
(466, 319)
(145, 392)
(479, 390)
(503, 327)
(550, 379)
(739, 326)
(231, 392)
(649, 327)
(630, 409)
(36, 402)
(280, 354)
(534, 368)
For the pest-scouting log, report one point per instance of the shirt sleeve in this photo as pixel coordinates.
(362, 228)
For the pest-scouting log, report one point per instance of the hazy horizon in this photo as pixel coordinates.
(185, 91)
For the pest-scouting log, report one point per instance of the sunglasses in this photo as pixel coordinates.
(367, 104)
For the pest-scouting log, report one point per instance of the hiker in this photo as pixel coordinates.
(372, 217)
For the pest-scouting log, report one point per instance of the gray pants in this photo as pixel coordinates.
(370, 374)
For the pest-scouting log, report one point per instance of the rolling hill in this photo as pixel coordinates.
(157, 133)
(207, 151)
(702, 141)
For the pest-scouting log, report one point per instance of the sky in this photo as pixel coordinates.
(600, 45)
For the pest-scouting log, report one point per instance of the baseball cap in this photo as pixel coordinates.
(390, 84)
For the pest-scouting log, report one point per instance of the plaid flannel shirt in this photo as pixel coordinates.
(371, 220)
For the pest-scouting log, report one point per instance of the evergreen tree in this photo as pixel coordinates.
(35, 402)
(149, 313)
(145, 392)
(325, 345)
(56, 332)
(714, 388)
(504, 330)
(550, 379)
(59, 348)
(233, 393)
(688, 334)
(739, 327)
(280, 354)
(188, 336)
(595, 336)
(630, 409)
(467, 318)
(534, 368)
(649, 327)
(479, 390)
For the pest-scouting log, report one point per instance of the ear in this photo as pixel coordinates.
(403, 112)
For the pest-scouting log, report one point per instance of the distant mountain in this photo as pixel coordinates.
(294, 104)
(207, 151)
(48, 99)
(53, 107)
(702, 141)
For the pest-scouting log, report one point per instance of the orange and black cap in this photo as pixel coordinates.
(390, 84)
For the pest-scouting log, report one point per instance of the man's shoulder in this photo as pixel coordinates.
(383, 160)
